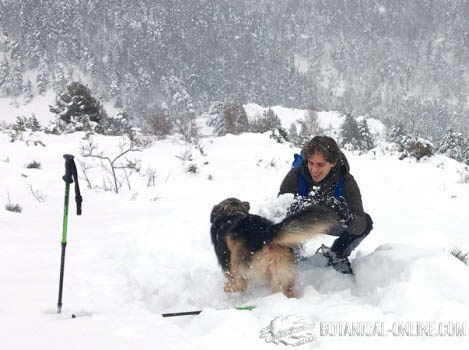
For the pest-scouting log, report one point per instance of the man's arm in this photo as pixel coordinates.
(290, 182)
(354, 201)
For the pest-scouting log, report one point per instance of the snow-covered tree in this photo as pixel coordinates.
(235, 119)
(180, 107)
(28, 91)
(4, 71)
(454, 145)
(293, 135)
(77, 109)
(366, 141)
(396, 133)
(15, 80)
(60, 81)
(228, 118)
(356, 135)
(350, 136)
(42, 82)
(216, 119)
(309, 127)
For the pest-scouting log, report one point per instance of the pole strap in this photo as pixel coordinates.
(71, 175)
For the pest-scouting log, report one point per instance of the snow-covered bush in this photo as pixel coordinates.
(409, 145)
(265, 122)
(116, 125)
(279, 135)
(25, 129)
(454, 145)
(26, 124)
(415, 147)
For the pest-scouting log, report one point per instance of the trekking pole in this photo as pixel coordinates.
(70, 176)
(187, 313)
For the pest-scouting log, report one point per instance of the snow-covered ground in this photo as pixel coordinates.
(145, 251)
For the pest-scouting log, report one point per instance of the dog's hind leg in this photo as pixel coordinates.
(236, 282)
(282, 271)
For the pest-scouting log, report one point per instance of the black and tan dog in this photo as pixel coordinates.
(250, 247)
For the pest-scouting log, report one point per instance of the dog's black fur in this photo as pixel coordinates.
(232, 221)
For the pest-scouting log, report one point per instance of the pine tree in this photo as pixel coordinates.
(396, 133)
(4, 72)
(180, 107)
(78, 110)
(350, 133)
(15, 80)
(366, 139)
(60, 81)
(42, 82)
(28, 91)
(309, 127)
(33, 123)
(216, 119)
(293, 135)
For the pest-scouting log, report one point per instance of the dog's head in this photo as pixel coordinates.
(230, 206)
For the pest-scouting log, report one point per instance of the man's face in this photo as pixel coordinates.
(319, 167)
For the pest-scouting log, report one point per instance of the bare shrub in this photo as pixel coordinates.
(33, 165)
(115, 164)
(460, 255)
(158, 123)
(13, 207)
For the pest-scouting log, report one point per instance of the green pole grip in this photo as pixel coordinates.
(65, 221)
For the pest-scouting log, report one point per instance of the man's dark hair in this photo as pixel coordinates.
(322, 144)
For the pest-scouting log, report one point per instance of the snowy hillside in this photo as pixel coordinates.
(146, 251)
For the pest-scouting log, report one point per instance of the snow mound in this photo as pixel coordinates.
(405, 279)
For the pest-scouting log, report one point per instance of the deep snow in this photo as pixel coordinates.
(134, 255)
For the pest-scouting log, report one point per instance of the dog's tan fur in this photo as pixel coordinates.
(273, 264)
(274, 261)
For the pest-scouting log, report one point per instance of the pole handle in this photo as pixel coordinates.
(71, 175)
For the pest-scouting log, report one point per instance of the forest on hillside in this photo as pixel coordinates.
(393, 60)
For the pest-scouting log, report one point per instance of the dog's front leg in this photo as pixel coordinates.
(234, 284)
(235, 281)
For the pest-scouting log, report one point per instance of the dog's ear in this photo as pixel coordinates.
(246, 206)
(215, 212)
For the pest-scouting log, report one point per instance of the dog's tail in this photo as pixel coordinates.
(298, 228)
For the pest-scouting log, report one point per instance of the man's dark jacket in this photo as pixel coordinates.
(351, 191)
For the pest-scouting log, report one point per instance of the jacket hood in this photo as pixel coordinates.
(342, 164)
